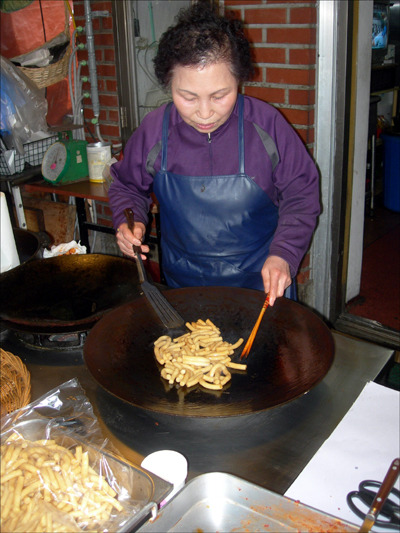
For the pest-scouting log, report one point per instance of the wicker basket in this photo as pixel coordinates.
(55, 72)
(15, 383)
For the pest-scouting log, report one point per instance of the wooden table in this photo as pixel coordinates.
(81, 191)
(87, 190)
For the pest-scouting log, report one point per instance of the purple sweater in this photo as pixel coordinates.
(275, 158)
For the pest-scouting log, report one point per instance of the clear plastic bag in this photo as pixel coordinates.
(60, 474)
(23, 107)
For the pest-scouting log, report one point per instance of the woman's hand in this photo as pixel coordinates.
(125, 238)
(276, 277)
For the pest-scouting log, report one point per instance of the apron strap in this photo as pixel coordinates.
(241, 133)
(164, 138)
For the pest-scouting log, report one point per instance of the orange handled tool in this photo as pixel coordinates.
(249, 343)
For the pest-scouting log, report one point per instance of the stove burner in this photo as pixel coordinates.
(47, 349)
(60, 342)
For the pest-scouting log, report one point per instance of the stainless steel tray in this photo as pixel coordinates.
(222, 502)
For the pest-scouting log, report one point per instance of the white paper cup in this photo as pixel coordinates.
(169, 465)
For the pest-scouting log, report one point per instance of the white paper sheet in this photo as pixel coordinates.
(362, 446)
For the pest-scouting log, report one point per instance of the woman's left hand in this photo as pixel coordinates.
(276, 277)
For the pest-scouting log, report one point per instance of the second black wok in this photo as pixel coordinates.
(66, 293)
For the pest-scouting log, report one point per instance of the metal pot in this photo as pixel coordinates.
(65, 293)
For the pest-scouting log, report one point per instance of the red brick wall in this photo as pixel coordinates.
(107, 83)
(283, 36)
(106, 70)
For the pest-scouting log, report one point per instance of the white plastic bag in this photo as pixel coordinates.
(65, 248)
(23, 107)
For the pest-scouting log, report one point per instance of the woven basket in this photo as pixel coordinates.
(55, 72)
(15, 383)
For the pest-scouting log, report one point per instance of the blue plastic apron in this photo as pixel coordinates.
(215, 230)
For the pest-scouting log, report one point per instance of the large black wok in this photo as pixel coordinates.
(292, 352)
(65, 293)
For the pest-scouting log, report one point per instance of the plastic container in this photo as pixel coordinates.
(391, 172)
(138, 491)
(169, 465)
(98, 155)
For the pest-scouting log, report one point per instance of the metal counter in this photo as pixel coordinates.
(270, 448)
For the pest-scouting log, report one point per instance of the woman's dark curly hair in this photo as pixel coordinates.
(202, 37)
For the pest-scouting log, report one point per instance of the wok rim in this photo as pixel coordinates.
(330, 350)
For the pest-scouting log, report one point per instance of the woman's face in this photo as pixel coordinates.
(204, 96)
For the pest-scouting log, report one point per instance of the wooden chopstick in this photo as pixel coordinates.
(249, 343)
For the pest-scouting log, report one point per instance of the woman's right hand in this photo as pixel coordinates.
(276, 277)
(126, 238)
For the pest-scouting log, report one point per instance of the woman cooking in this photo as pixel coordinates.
(238, 192)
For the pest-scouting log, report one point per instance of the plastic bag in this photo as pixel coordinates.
(23, 107)
(62, 474)
(50, 52)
